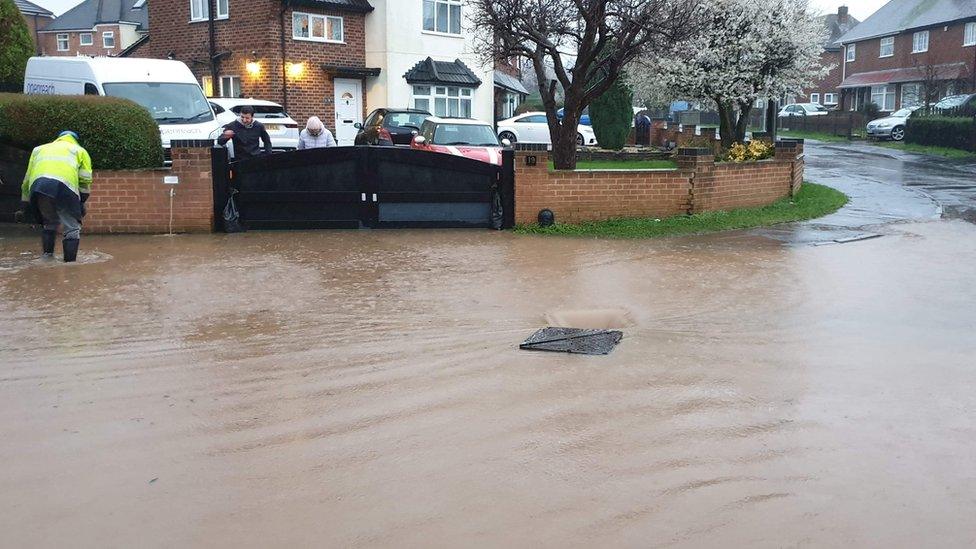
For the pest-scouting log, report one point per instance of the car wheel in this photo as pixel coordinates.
(579, 140)
(898, 133)
(508, 135)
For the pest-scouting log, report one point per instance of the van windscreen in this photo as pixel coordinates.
(167, 102)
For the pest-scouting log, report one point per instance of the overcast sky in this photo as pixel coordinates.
(860, 9)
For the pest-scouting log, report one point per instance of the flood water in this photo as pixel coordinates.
(338, 389)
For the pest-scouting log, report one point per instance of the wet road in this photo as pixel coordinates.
(339, 389)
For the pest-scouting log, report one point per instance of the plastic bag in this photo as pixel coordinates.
(232, 217)
(497, 210)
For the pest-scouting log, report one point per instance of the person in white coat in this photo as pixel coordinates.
(315, 135)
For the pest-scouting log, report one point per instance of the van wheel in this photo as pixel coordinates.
(898, 133)
(508, 135)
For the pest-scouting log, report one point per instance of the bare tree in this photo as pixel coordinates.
(585, 43)
(934, 79)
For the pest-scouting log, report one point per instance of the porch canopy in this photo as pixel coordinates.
(949, 71)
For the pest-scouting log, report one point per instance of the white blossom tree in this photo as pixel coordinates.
(749, 50)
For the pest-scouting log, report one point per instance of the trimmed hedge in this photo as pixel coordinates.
(118, 134)
(612, 114)
(941, 131)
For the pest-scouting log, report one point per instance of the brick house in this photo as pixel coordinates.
(308, 55)
(95, 27)
(509, 90)
(908, 53)
(827, 91)
(36, 17)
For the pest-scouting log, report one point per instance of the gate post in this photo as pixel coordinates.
(506, 187)
(221, 185)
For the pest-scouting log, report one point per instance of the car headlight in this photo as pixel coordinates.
(884, 125)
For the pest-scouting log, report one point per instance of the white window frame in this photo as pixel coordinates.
(887, 41)
(205, 82)
(918, 94)
(65, 38)
(969, 34)
(454, 11)
(830, 99)
(815, 98)
(920, 42)
(108, 35)
(231, 79)
(887, 93)
(464, 97)
(200, 10)
(851, 52)
(325, 28)
(81, 39)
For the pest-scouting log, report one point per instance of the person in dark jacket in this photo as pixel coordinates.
(246, 132)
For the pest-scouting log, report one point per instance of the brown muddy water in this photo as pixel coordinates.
(364, 389)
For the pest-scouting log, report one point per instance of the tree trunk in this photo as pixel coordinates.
(563, 132)
(726, 124)
(742, 126)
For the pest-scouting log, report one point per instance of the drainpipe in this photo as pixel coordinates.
(37, 38)
(284, 71)
(214, 71)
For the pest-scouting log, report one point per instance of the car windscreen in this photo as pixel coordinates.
(263, 111)
(400, 119)
(167, 102)
(464, 134)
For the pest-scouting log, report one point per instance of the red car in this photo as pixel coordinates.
(461, 137)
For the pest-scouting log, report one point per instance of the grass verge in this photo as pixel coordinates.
(811, 202)
(825, 137)
(623, 165)
(944, 152)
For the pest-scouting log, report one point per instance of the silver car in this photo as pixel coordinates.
(893, 126)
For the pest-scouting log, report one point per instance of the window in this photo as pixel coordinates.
(447, 101)
(230, 86)
(442, 16)
(920, 42)
(534, 119)
(62, 42)
(317, 28)
(911, 95)
(830, 99)
(970, 35)
(207, 84)
(814, 97)
(851, 52)
(887, 47)
(883, 97)
(108, 39)
(200, 9)
(510, 102)
(85, 39)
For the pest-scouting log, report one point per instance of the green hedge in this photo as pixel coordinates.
(956, 133)
(16, 46)
(117, 133)
(612, 114)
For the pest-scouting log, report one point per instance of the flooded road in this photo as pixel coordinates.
(339, 389)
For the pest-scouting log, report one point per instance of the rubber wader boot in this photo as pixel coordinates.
(47, 241)
(70, 250)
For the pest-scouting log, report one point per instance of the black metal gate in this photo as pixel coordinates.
(371, 187)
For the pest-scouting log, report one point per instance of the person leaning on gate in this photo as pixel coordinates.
(246, 133)
(315, 135)
(57, 185)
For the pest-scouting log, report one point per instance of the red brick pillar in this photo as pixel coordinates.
(791, 151)
(533, 189)
(699, 165)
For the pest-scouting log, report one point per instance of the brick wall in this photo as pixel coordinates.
(252, 33)
(697, 185)
(137, 201)
(829, 83)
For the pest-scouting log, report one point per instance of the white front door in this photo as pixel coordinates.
(348, 109)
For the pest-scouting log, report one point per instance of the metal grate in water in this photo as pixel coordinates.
(573, 340)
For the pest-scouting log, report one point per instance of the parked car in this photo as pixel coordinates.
(957, 105)
(461, 137)
(282, 129)
(804, 109)
(893, 126)
(584, 118)
(388, 127)
(532, 127)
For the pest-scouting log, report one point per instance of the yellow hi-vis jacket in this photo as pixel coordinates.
(62, 160)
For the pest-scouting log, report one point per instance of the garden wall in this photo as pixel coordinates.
(697, 185)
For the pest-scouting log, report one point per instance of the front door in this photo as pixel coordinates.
(348, 109)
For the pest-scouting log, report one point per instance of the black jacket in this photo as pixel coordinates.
(246, 139)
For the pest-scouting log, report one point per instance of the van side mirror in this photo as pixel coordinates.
(420, 140)
(506, 143)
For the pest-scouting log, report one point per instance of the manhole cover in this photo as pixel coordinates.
(573, 340)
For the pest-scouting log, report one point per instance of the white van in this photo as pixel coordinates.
(167, 89)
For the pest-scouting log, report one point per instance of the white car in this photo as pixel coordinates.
(893, 126)
(804, 109)
(282, 130)
(532, 127)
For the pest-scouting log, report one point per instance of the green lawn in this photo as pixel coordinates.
(812, 201)
(624, 165)
(945, 152)
(826, 137)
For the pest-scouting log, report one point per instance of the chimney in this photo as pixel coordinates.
(842, 16)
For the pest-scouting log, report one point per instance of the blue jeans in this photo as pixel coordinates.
(53, 216)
